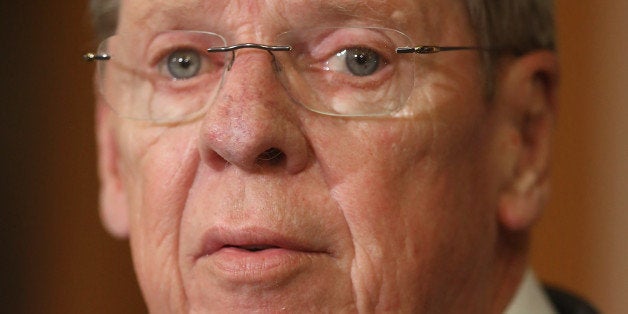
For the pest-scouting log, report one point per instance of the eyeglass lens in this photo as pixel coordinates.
(335, 71)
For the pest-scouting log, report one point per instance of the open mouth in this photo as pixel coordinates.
(252, 248)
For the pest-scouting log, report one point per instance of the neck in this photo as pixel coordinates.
(512, 262)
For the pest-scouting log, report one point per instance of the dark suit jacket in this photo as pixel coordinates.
(568, 303)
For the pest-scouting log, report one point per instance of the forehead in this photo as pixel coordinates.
(410, 16)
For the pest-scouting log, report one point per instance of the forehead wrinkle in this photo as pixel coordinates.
(157, 14)
(164, 14)
(392, 14)
(425, 21)
(428, 21)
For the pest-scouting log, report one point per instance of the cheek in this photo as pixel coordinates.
(158, 166)
(155, 161)
(409, 192)
(374, 175)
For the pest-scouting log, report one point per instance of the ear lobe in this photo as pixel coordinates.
(527, 91)
(113, 201)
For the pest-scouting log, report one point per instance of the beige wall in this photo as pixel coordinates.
(57, 259)
(582, 242)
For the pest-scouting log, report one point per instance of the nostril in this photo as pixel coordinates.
(273, 155)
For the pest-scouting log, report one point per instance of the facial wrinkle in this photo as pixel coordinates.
(192, 160)
(162, 241)
(180, 171)
(429, 112)
(142, 152)
(327, 180)
(177, 14)
(365, 296)
(210, 16)
(357, 269)
(377, 11)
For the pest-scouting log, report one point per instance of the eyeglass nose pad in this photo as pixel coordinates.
(276, 65)
(231, 61)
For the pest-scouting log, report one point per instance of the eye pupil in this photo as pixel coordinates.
(184, 64)
(362, 61)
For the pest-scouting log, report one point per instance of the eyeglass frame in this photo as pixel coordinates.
(90, 56)
(421, 50)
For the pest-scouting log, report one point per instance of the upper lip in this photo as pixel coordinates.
(255, 238)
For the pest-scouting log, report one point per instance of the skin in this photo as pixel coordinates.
(422, 213)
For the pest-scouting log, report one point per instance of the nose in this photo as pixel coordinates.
(253, 123)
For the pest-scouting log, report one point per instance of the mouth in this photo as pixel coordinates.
(254, 240)
(251, 248)
(256, 255)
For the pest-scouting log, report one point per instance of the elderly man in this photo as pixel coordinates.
(327, 156)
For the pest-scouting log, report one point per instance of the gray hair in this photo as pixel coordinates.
(516, 25)
(510, 26)
(104, 17)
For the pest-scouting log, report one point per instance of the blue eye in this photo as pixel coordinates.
(361, 61)
(183, 64)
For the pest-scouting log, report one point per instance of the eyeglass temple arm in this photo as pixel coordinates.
(434, 49)
(89, 57)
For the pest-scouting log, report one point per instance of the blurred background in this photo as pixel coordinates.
(56, 258)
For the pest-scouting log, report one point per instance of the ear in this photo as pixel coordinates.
(527, 94)
(113, 201)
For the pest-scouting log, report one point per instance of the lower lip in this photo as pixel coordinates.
(238, 265)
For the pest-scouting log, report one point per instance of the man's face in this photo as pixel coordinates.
(391, 213)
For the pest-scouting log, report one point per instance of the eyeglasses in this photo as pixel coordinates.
(333, 71)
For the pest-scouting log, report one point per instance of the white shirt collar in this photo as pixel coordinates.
(530, 298)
